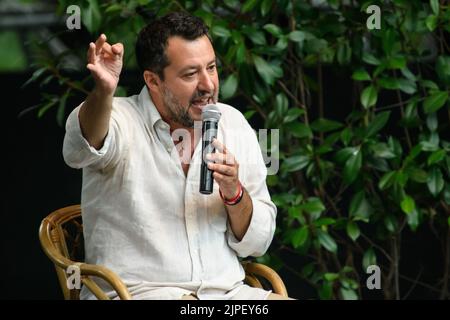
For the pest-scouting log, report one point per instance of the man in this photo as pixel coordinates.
(143, 215)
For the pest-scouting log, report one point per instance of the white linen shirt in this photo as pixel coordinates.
(146, 221)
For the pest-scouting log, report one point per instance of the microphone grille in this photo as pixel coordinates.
(211, 112)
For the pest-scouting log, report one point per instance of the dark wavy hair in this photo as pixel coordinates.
(152, 39)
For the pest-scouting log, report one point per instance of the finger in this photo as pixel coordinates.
(93, 69)
(220, 178)
(99, 43)
(117, 49)
(106, 48)
(219, 145)
(222, 169)
(91, 53)
(221, 158)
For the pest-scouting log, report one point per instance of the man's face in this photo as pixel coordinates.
(190, 79)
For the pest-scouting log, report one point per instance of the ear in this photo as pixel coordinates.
(151, 80)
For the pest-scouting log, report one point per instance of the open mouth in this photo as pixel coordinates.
(201, 103)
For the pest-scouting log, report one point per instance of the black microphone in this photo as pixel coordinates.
(210, 120)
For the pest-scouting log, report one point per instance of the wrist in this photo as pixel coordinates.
(104, 91)
(234, 200)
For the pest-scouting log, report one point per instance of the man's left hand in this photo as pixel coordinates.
(226, 170)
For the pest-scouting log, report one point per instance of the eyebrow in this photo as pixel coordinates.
(196, 66)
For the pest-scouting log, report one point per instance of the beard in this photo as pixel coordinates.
(179, 113)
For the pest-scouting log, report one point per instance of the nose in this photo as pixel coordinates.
(206, 83)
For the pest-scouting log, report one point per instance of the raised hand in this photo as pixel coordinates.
(105, 63)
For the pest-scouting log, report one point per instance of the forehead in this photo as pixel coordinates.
(182, 52)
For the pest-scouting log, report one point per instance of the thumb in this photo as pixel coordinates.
(117, 49)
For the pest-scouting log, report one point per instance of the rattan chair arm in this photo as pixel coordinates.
(267, 273)
(85, 269)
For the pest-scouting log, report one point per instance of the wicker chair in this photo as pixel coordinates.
(61, 237)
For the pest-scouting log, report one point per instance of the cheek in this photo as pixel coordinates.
(184, 93)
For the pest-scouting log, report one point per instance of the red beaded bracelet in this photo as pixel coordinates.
(236, 199)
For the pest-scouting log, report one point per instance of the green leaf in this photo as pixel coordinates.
(221, 32)
(326, 291)
(344, 53)
(378, 123)
(324, 222)
(313, 205)
(114, 8)
(382, 150)
(346, 136)
(369, 259)
(436, 157)
(443, 68)
(293, 114)
(60, 113)
(297, 36)
(447, 193)
(353, 230)
(325, 125)
(228, 89)
(417, 174)
(36, 74)
(342, 155)
(435, 101)
(91, 16)
(391, 223)
(434, 4)
(408, 74)
(248, 5)
(429, 84)
(352, 167)
(299, 130)
(348, 294)
(413, 219)
(300, 237)
(431, 22)
(432, 122)
(370, 59)
(386, 180)
(361, 75)
(408, 204)
(360, 208)
(398, 62)
(388, 39)
(273, 29)
(249, 114)
(240, 53)
(295, 163)
(369, 97)
(407, 86)
(46, 107)
(266, 5)
(326, 241)
(331, 276)
(256, 36)
(435, 181)
(268, 72)
(281, 104)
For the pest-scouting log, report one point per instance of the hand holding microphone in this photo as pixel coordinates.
(220, 166)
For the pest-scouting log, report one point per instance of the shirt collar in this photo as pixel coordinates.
(148, 108)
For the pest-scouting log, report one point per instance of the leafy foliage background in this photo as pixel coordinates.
(350, 186)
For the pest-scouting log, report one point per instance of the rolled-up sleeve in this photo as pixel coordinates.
(260, 232)
(77, 151)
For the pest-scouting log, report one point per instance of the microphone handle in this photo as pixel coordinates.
(209, 131)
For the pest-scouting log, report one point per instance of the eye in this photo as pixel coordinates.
(212, 67)
(190, 74)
